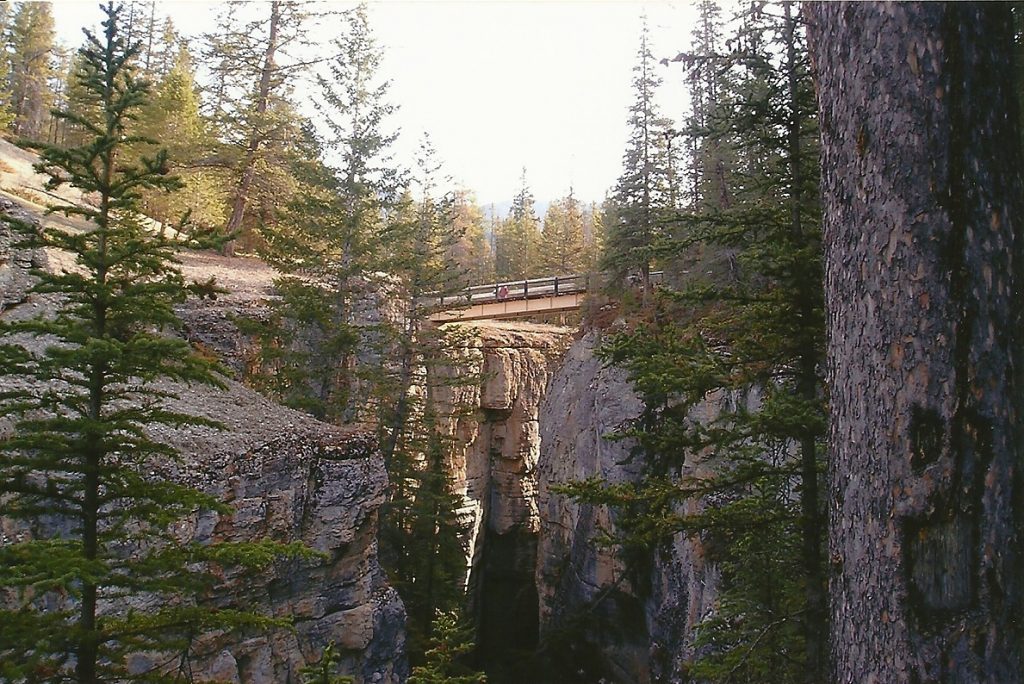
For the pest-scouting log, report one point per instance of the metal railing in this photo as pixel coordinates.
(511, 290)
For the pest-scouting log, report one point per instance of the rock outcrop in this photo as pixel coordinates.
(291, 478)
(601, 618)
(499, 373)
(287, 477)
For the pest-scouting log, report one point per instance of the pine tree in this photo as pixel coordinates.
(253, 80)
(81, 472)
(756, 340)
(6, 97)
(473, 251)
(644, 193)
(327, 239)
(517, 239)
(562, 244)
(31, 45)
(925, 372)
(451, 644)
(173, 115)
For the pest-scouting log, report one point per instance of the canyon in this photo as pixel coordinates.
(548, 604)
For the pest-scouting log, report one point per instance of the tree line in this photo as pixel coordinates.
(226, 103)
(839, 273)
(848, 495)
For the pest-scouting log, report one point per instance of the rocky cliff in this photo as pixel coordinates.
(500, 373)
(603, 619)
(287, 477)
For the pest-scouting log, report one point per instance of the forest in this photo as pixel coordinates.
(778, 440)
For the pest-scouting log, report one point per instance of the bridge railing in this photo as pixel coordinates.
(516, 289)
(510, 290)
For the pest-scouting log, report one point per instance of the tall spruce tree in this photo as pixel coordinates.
(644, 193)
(327, 239)
(31, 48)
(755, 340)
(81, 473)
(517, 240)
(562, 244)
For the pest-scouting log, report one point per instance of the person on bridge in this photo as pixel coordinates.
(503, 292)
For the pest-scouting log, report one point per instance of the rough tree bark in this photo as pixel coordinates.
(923, 211)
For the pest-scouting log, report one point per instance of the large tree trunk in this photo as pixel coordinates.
(922, 196)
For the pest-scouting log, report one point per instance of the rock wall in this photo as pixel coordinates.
(291, 478)
(287, 477)
(500, 373)
(601, 618)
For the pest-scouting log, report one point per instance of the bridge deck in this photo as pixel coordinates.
(511, 308)
(515, 298)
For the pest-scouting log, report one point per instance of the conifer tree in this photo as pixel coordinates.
(756, 340)
(173, 115)
(473, 251)
(422, 537)
(562, 244)
(254, 60)
(31, 45)
(517, 240)
(644, 192)
(99, 572)
(6, 98)
(450, 646)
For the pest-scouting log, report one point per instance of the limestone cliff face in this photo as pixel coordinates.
(287, 477)
(290, 478)
(503, 371)
(601, 617)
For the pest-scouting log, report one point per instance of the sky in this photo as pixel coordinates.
(500, 85)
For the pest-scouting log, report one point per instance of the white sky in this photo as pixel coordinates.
(501, 85)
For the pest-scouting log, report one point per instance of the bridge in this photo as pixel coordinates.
(516, 298)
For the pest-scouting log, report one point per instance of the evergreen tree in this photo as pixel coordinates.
(6, 97)
(31, 46)
(562, 244)
(473, 251)
(324, 671)
(173, 115)
(925, 342)
(644, 194)
(253, 79)
(450, 645)
(756, 341)
(328, 239)
(517, 239)
(81, 451)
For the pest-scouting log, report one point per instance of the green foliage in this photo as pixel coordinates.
(472, 252)
(450, 646)
(746, 334)
(645, 193)
(517, 240)
(31, 40)
(563, 244)
(98, 571)
(323, 672)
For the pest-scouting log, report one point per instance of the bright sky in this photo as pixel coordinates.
(501, 85)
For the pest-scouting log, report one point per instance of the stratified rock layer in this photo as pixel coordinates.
(498, 374)
(287, 477)
(291, 478)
